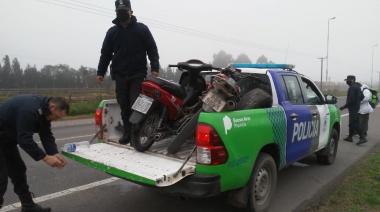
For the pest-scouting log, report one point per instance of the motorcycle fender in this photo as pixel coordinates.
(137, 117)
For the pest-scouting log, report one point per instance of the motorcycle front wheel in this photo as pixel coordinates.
(187, 131)
(143, 137)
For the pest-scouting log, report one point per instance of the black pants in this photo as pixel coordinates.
(363, 120)
(12, 166)
(127, 91)
(353, 124)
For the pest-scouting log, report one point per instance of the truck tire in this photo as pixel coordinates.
(256, 98)
(327, 155)
(143, 139)
(262, 184)
(184, 134)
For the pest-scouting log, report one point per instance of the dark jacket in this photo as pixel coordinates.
(21, 117)
(127, 48)
(353, 97)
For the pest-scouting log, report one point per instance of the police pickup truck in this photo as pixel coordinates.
(239, 152)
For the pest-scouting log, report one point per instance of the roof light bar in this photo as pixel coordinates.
(264, 65)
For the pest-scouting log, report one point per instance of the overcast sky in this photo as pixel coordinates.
(51, 32)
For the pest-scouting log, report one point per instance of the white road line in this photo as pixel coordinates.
(61, 193)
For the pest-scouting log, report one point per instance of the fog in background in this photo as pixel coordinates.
(51, 32)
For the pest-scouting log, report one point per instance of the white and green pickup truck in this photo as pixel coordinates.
(239, 152)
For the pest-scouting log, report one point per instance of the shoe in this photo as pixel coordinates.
(34, 208)
(349, 139)
(125, 139)
(362, 141)
(1, 202)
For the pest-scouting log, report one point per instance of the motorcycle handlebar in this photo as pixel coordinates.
(199, 65)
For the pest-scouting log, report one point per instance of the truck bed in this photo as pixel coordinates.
(153, 167)
(160, 149)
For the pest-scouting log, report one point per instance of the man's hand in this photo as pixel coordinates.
(100, 79)
(62, 159)
(341, 108)
(54, 161)
(154, 73)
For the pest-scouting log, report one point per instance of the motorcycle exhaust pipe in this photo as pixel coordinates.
(161, 135)
(157, 137)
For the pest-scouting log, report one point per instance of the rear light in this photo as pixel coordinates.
(210, 147)
(98, 122)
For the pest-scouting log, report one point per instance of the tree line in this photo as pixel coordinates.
(12, 76)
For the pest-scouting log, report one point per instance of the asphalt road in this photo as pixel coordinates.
(80, 188)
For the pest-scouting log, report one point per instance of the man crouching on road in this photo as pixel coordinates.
(20, 118)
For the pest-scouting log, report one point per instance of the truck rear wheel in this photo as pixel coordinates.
(327, 156)
(262, 184)
(256, 98)
(144, 136)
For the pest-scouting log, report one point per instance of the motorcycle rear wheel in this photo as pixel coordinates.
(143, 136)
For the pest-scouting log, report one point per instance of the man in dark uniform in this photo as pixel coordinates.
(20, 118)
(354, 97)
(127, 44)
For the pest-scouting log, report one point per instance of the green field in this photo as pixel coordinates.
(83, 103)
(358, 191)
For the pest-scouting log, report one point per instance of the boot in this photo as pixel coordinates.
(34, 208)
(362, 141)
(1, 202)
(348, 138)
(28, 205)
(126, 138)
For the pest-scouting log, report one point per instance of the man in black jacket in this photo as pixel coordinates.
(127, 44)
(354, 97)
(20, 118)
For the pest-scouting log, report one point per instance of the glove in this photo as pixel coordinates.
(341, 108)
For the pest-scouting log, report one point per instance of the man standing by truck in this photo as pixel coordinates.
(354, 97)
(365, 110)
(20, 118)
(127, 44)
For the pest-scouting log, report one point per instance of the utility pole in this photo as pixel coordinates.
(372, 64)
(321, 58)
(329, 84)
(327, 57)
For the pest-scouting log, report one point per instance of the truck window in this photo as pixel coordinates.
(293, 89)
(313, 96)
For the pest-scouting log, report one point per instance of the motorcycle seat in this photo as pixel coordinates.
(173, 88)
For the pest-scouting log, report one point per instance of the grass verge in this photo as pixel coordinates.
(358, 191)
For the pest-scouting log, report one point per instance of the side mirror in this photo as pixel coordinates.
(330, 99)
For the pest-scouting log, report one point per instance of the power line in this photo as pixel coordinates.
(173, 28)
(71, 8)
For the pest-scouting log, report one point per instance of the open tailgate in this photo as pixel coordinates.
(125, 162)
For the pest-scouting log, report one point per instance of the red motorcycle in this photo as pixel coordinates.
(222, 94)
(164, 107)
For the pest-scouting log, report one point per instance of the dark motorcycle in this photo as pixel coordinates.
(228, 91)
(222, 94)
(164, 107)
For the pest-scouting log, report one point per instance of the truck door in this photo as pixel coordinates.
(300, 126)
(320, 112)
